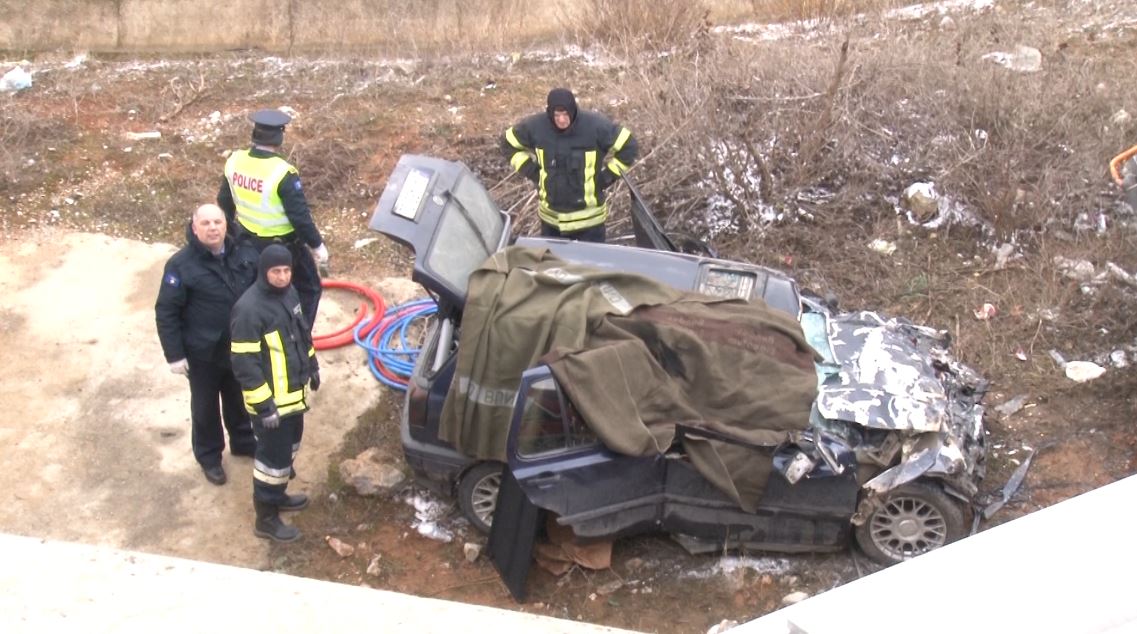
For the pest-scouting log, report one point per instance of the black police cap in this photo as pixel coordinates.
(270, 118)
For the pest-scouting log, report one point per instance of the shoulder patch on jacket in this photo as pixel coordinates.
(297, 185)
(172, 279)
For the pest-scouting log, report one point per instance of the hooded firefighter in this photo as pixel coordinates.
(563, 151)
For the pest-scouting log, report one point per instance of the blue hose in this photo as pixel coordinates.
(390, 356)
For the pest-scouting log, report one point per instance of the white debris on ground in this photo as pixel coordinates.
(429, 513)
(731, 565)
(1024, 59)
(15, 80)
(923, 205)
(1089, 277)
(885, 247)
(1082, 371)
(794, 597)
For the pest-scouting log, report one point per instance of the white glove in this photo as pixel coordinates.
(181, 366)
(321, 254)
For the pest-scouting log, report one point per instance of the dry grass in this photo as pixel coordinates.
(818, 10)
(802, 147)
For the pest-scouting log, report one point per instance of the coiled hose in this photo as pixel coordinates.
(344, 336)
(390, 356)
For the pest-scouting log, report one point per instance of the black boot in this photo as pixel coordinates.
(295, 503)
(269, 526)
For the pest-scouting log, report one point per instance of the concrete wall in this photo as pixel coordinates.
(279, 26)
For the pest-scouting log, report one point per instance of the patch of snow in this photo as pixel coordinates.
(920, 11)
(1024, 59)
(729, 565)
(810, 29)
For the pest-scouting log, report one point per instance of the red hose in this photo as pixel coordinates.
(343, 336)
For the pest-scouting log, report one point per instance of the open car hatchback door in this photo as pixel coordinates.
(441, 211)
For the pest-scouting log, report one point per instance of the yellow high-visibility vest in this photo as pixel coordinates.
(253, 182)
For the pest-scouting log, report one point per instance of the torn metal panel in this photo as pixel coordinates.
(920, 455)
(1010, 488)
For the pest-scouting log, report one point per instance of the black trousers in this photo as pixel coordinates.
(276, 449)
(591, 234)
(216, 399)
(305, 274)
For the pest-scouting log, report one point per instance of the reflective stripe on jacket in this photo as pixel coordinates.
(271, 350)
(254, 182)
(568, 166)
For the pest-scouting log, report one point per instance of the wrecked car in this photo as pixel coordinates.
(877, 436)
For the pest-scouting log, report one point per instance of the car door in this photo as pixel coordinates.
(563, 468)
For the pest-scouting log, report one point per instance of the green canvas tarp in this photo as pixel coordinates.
(636, 357)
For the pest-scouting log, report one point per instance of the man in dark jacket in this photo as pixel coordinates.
(261, 194)
(200, 284)
(275, 363)
(562, 151)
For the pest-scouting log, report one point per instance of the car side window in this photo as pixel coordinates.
(549, 422)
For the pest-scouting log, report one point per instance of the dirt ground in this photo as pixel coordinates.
(97, 430)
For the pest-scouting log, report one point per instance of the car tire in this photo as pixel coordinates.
(477, 493)
(914, 519)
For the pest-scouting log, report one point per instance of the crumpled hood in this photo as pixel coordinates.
(887, 378)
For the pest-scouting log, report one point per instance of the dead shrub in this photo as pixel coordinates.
(25, 136)
(631, 27)
(819, 10)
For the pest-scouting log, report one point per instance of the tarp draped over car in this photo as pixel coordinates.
(636, 357)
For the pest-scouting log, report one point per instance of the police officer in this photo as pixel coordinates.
(262, 196)
(200, 284)
(275, 363)
(562, 151)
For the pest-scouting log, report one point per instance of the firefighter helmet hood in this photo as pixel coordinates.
(273, 255)
(561, 98)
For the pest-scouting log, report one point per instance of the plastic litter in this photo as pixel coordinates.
(1118, 359)
(1082, 371)
(883, 246)
(15, 79)
(985, 312)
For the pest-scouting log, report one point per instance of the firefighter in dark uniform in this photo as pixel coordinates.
(200, 284)
(265, 203)
(562, 151)
(275, 363)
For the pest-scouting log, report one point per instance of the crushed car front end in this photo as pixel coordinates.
(915, 410)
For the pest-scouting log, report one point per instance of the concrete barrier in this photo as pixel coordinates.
(49, 586)
(277, 26)
(1064, 569)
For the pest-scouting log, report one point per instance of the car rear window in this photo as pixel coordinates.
(469, 231)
